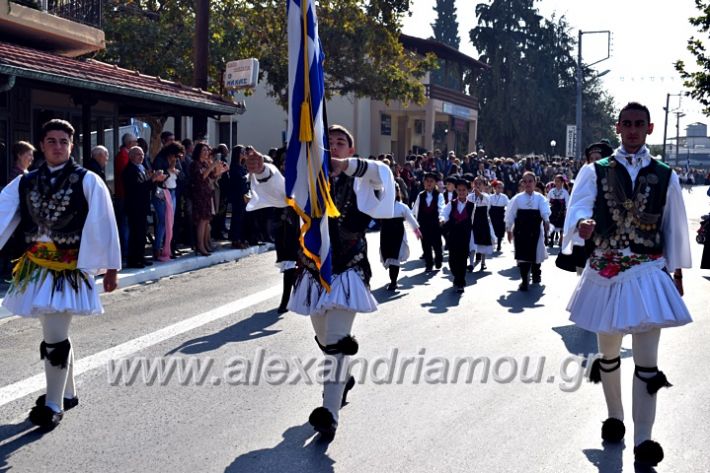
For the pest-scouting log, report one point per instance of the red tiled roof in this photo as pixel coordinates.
(95, 75)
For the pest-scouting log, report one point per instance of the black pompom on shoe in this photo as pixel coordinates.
(348, 386)
(322, 421)
(69, 403)
(648, 453)
(613, 430)
(45, 418)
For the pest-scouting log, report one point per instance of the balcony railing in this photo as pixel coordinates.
(87, 12)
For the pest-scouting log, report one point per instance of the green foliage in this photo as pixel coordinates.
(528, 96)
(698, 81)
(360, 41)
(446, 27)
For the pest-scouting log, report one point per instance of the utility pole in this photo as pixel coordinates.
(578, 118)
(201, 59)
(678, 114)
(665, 122)
(580, 79)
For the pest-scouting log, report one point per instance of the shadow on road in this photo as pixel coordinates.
(510, 273)
(248, 329)
(294, 454)
(607, 460)
(517, 301)
(446, 299)
(31, 434)
(582, 342)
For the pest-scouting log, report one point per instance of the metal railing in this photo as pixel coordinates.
(87, 12)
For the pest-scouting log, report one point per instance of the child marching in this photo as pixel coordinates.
(525, 218)
(427, 210)
(394, 249)
(483, 236)
(457, 217)
(558, 197)
(499, 201)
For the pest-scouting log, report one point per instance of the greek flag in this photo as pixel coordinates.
(308, 153)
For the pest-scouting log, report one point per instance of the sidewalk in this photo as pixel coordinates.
(182, 264)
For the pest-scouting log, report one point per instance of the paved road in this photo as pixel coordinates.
(230, 423)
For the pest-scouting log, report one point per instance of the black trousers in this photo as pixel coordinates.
(431, 240)
(458, 259)
(137, 229)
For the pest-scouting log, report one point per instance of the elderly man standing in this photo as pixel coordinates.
(97, 162)
(128, 140)
(138, 184)
(67, 220)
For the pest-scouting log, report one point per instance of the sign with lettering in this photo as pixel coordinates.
(571, 148)
(242, 74)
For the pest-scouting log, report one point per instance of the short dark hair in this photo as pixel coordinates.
(187, 142)
(57, 124)
(173, 149)
(344, 131)
(165, 135)
(635, 106)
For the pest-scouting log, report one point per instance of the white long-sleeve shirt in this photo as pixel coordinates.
(374, 190)
(99, 249)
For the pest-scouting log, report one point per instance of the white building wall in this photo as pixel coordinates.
(264, 122)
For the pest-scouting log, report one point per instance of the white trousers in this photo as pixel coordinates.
(645, 352)
(330, 328)
(60, 381)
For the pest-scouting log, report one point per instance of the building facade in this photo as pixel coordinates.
(448, 120)
(42, 77)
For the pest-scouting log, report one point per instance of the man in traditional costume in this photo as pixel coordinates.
(527, 221)
(66, 217)
(631, 206)
(361, 190)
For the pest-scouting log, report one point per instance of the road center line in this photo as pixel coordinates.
(35, 383)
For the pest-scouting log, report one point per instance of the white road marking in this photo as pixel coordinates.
(35, 383)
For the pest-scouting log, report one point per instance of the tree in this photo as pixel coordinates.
(698, 81)
(446, 28)
(528, 95)
(363, 54)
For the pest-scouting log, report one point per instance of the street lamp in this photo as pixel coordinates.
(578, 120)
(553, 143)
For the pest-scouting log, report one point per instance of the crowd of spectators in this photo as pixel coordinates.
(189, 195)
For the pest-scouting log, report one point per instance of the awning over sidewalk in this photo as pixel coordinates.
(92, 75)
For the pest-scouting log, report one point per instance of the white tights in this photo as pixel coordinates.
(330, 328)
(645, 351)
(60, 381)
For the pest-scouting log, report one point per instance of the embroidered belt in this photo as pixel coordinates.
(610, 263)
(43, 258)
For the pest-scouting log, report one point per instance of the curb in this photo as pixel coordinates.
(159, 270)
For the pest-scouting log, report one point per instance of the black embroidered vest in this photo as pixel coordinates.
(57, 210)
(347, 232)
(630, 216)
(428, 215)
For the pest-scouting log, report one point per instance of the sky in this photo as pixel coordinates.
(647, 37)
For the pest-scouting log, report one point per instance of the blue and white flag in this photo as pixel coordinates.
(308, 153)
